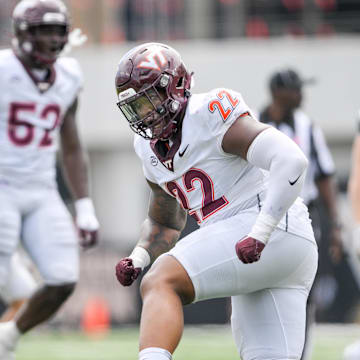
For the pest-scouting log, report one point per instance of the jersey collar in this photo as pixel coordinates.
(41, 85)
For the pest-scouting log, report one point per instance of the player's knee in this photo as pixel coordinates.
(150, 282)
(165, 281)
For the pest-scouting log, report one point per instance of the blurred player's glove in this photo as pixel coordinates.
(86, 222)
(75, 39)
(126, 273)
(249, 249)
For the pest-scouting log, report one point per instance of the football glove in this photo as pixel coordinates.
(126, 273)
(249, 249)
(86, 222)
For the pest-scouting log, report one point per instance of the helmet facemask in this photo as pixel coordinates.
(151, 113)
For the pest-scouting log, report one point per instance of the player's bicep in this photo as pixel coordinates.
(241, 134)
(164, 209)
(69, 133)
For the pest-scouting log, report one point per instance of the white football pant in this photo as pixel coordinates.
(40, 219)
(268, 296)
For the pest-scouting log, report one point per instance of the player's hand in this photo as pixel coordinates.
(126, 273)
(86, 223)
(249, 249)
(88, 239)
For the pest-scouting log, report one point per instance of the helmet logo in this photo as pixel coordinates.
(154, 59)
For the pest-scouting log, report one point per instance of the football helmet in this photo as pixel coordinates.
(153, 86)
(31, 16)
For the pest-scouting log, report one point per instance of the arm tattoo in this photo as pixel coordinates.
(165, 222)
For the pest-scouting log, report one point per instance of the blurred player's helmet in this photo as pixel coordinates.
(153, 86)
(28, 16)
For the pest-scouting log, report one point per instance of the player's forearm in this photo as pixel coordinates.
(75, 171)
(157, 239)
(287, 165)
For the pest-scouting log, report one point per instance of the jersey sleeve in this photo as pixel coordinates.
(224, 106)
(73, 75)
(324, 161)
(138, 142)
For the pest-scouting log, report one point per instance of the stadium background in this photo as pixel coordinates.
(231, 43)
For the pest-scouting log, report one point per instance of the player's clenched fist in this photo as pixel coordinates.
(126, 273)
(249, 249)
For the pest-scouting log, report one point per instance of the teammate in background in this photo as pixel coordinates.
(285, 114)
(204, 154)
(38, 103)
(19, 287)
(352, 352)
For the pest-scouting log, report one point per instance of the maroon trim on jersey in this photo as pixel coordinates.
(168, 159)
(40, 84)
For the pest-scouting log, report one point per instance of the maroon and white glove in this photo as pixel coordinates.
(249, 249)
(86, 222)
(129, 268)
(126, 273)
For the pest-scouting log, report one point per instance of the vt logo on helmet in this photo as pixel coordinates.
(153, 86)
(41, 30)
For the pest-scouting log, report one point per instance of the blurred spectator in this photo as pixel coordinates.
(138, 20)
(153, 19)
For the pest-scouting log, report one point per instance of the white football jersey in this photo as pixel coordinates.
(209, 183)
(30, 118)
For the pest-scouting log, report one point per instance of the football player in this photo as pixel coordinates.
(19, 287)
(39, 96)
(205, 154)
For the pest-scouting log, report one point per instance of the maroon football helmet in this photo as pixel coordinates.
(153, 86)
(41, 29)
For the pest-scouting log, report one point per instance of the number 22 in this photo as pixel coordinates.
(209, 204)
(216, 104)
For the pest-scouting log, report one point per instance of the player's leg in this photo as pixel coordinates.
(50, 239)
(310, 323)
(18, 289)
(311, 303)
(10, 222)
(269, 324)
(164, 289)
(209, 260)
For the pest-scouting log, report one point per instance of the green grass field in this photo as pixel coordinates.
(198, 343)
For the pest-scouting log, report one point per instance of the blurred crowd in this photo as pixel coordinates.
(111, 21)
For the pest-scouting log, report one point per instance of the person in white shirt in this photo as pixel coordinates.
(206, 155)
